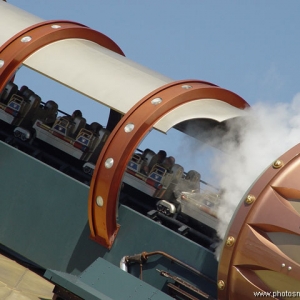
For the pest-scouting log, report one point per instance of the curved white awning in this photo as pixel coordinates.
(204, 108)
(103, 75)
(96, 72)
(13, 20)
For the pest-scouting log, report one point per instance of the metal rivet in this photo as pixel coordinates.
(55, 26)
(156, 101)
(221, 285)
(250, 199)
(277, 164)
(289, 268)
(26, 39)
(99, 201)
(109, 163)
(230, 241)
(283, 265)
(186, 86)
(1, 63)
(129, 127)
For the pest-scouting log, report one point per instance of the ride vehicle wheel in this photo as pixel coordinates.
(23, 137)
(87, 170)
(17, 134)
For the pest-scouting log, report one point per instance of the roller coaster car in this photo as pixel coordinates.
(158, 183)
(191, 202)
(201, 206)
(30, 118)
(44, 112)
(11, 112)
(18, 107)
(72, 137)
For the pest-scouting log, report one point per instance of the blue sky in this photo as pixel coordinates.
(249, 47)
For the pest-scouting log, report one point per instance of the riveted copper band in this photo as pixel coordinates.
(121, 144)
(33, 38)
(14, 51)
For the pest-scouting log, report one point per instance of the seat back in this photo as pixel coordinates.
(9, 90)
(95, 127)
(32, 104)
(168, 163)
(78, 124)
(149, 159)
(50, 110)
(193, 178)
(98, 144)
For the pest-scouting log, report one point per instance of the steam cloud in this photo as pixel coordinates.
(267, 133)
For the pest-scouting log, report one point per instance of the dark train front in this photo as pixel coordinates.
(105, 219)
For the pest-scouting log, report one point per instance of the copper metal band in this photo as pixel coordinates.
(106, 181)
(16, 50)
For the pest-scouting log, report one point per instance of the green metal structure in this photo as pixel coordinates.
(44, 219)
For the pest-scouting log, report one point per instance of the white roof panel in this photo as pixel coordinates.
(104, 75)
(14, 20)
(96, 72)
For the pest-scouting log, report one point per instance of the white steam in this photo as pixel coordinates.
(268, 133)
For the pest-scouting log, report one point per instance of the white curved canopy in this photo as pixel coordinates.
(202, 108)
(104, 75)
(14, 20)
(96, 72)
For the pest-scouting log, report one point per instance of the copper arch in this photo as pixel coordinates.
(14, 51)
(118, 149)
(261, 249)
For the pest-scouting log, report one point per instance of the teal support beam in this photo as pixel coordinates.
(43, 217)
(104, 281)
